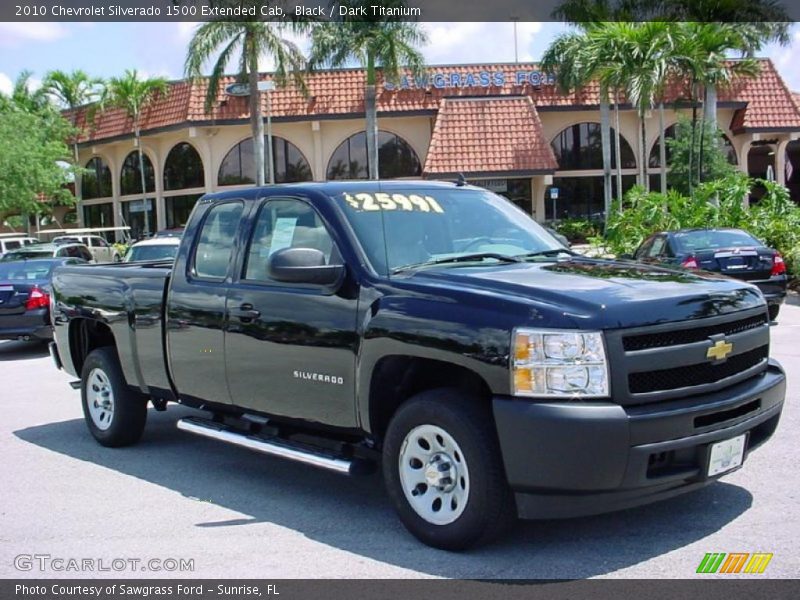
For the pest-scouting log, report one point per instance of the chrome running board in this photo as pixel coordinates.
(272, 446)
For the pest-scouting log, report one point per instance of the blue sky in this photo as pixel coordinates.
(107, 49)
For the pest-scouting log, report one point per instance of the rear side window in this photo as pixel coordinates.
(84, 253)
(12, 245)
(215, 246)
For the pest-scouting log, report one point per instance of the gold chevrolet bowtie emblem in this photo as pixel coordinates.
(719, 350)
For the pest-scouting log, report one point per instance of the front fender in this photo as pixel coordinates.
(473, 338)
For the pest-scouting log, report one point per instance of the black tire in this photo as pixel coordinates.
(774, 309)
(124, 422)
(489, 507)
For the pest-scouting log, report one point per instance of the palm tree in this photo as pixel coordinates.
(593, 55)
(25, 98)
(372, 42)
(646, 65)
(714, 29)
(251, 40)
(70, 91)
(569, 57)
(702, 53)
(134, 96)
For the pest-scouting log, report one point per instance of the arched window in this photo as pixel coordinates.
(183, 168)
(96, 182)
(396, 158)
(238, 167)
(130, 177)
(580, 148)
(654, 161)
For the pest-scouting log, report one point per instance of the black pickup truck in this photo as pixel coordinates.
(436, 330)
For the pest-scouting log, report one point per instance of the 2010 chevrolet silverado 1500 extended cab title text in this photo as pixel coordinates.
(436, 329)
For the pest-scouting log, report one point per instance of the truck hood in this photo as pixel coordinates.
(599, 293)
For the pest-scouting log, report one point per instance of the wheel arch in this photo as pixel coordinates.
(397, 377)
(86, 335)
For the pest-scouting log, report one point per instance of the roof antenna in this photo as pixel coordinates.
(461, 181)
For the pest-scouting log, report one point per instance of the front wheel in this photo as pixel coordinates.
(114, 413)
(443, 470)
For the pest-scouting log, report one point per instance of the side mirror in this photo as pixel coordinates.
(303, 265)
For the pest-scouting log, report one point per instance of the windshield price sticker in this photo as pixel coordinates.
(383, 201)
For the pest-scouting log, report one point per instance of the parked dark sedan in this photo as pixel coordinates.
(25, 297)
(732, 252)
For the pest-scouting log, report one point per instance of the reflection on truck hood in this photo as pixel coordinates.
(600, 293)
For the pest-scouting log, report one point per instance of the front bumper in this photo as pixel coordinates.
(566, 459)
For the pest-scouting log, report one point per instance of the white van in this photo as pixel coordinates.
(15, 243)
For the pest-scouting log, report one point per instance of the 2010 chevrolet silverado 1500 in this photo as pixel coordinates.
(436, 329)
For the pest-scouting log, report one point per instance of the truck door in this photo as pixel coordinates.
(196, 305)
(290, 349)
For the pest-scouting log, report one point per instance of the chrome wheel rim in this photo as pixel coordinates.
(100, 399)
(434, 474)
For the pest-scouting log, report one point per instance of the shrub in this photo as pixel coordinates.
(578, 230)
(121, 248)
(775, 219)
(694, 149)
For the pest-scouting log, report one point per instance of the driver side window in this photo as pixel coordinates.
(286, 223)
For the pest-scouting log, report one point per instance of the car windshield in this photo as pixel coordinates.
(25, 271)
(710, 239)
(152, 252)
(438, 225)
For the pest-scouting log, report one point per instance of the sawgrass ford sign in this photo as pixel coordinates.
(480, 79)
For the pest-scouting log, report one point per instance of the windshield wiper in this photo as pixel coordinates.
(552, 252)
(460, 258)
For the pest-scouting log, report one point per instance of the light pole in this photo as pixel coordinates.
(515, 20)
(268, 86)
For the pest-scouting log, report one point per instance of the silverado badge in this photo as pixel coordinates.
(719, 350)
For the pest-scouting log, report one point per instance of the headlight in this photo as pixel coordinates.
(559, 363)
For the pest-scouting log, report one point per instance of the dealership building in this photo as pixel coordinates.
(506, 127)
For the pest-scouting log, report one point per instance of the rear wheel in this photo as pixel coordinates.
(115, 414)
(443, 470)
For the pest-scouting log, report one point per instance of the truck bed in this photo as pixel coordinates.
(129, 298)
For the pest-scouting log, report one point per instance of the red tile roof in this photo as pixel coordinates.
(484, 136)
(769, 103)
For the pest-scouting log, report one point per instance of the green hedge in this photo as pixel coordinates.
(578, 231)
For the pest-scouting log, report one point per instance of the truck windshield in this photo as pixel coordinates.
(401, 229)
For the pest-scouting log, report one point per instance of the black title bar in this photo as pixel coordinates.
(402, 10)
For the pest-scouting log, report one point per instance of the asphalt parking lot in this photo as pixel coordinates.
(240, 514)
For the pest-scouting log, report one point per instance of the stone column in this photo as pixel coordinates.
(538, 187)
(318, 168)
(160, 204)
(780, 161)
